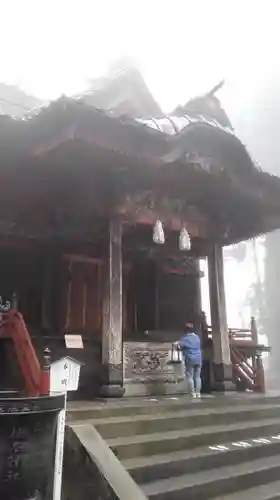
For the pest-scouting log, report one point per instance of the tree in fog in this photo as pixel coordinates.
(258, 125)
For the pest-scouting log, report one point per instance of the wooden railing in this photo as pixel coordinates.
(246, 358)
(12, 325)
(246, 375)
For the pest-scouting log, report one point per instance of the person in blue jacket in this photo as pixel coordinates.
(191, 349)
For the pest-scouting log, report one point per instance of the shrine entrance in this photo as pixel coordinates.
(158, 298)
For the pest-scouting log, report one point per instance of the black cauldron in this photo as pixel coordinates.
(27, 447)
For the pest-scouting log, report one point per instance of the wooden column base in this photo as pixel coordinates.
(112, 381)
(112, 391)
(222, 375)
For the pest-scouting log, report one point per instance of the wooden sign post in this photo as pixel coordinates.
(64, 377)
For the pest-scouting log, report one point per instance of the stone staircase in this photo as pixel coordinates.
(222, 447)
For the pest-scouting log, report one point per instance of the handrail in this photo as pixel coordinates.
(102, 469)
(14, 326)
(246, 368)
(251, 376)
(242, 333)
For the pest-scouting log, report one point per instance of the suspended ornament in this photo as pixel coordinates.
(158, 233)
(184, 240)
(202, 266)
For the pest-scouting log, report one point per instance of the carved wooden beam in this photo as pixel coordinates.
(84, 259)
(135, 210)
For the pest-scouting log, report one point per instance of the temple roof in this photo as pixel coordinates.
(201, 157)
(123, 91)
(165, 137)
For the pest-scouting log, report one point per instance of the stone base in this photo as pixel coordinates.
(112, 381)
(112, 391)
(153, 388)
(222, 375)
(148, 371)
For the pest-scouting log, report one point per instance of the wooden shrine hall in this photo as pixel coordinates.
(103, 219)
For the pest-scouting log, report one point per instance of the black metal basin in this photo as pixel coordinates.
(27, 447)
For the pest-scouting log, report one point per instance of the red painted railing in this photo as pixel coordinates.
(247, 365)
(36, 380)
(246, 375)
(248, 369)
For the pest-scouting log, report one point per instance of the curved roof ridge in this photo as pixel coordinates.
(185, 120)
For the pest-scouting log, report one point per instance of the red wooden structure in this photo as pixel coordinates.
(36, 380)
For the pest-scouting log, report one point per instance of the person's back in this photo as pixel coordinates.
(191, 349)
(190, 345)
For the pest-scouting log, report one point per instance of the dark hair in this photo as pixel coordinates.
(189, 327)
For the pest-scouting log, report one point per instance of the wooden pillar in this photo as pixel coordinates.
(197, 301)
(112, 344)
(222, 368)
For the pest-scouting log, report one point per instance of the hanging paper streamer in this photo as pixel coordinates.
(158, 233)
(184, 240)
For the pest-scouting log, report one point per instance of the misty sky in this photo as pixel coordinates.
(182, 47)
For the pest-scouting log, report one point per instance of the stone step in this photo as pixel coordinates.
(215, 482)
(9, 393)
(149, 406)
(146, 469)
(195, 416)
(165, 442)
(269, 491)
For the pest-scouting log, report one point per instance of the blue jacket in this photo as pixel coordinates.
(190, 345)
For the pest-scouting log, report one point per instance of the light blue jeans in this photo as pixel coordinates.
(193, 375)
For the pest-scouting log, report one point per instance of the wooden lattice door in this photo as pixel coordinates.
(82, 297)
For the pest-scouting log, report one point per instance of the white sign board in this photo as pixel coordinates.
(73, 341)
(64, 375)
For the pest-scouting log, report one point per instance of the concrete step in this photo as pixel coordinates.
(269, 491)
(149, 406)
(147, 469)
(215, 482)
(160, 443)
(195, 416)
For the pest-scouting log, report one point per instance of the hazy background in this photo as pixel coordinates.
(182, 48)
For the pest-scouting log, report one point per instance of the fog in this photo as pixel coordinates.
(182, 48)
(257, 123)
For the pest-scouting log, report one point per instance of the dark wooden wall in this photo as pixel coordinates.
(57, 294)
(77, 309)
(176, 300)
(60, 293)
(81, 295)
(21, 273)
(157, 298)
